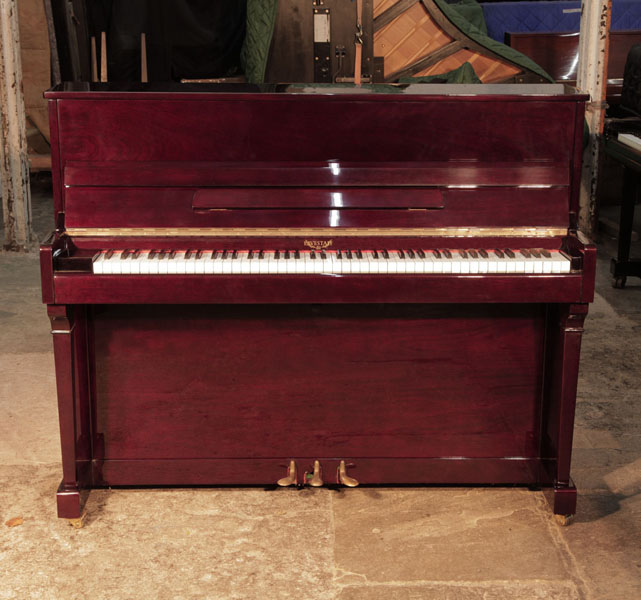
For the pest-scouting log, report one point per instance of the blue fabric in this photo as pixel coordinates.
(552, 17)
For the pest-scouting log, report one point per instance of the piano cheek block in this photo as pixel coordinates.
(246, 312)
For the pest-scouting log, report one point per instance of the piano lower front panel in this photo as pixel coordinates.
(228, 394)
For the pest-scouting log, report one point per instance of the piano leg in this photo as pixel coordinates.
(69, 330)
(563, 364)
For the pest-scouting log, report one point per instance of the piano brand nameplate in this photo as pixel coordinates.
(537, 232)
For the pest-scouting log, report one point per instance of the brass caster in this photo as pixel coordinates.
(315, 479)
(344, 478)
(292, 476)
(78, 523)
(564, 520)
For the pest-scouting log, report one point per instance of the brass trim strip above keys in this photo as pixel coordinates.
(472, 232)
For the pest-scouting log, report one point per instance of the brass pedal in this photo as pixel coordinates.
(344, 478)
(292, 476)
(316, 479)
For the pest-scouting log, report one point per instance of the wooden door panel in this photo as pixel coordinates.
(318, 381)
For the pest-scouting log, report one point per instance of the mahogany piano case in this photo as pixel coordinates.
(309, 286)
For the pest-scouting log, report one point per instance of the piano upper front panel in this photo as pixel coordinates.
(118, 207)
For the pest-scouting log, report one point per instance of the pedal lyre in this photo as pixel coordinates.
(292, 476)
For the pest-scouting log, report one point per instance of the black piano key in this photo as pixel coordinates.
(349, 254)
(484, 253)
(535, 253)
(261, 254)
(447, 253)
(420, 253)
(510, 253)
(172, 254)
(374, 253)
(124, 255)
(286, 254)
(136, 254)
(339, 254)
(162, 254)
(385, 254)
(411, 254)
(524, 252)
(312, 255)
(436, 253)
(297, 254)
(224, 256)
(109, 254)
(234, 254)
(323, 255)
(545, 253)
(152, 253)
(188, 254)
(463, 253)
(499, 253)
(401, 254)
(250, 255)
(359, 254)
(277, 255)
(473, 253)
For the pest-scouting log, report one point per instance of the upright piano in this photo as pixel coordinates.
(316, 285)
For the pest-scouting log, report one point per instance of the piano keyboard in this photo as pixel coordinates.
(340, 262)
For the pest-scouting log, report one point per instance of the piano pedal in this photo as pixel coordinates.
(314, 479)
(292, 476)
(78, 523)
(564, 520)
(344, 478)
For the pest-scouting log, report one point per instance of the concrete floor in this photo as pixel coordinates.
(406, 544)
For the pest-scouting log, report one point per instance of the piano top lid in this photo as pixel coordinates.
(175, 90)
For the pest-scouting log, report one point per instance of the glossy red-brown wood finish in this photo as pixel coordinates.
(81, 288)
(89, 207)
(343, 380)
(424, 379)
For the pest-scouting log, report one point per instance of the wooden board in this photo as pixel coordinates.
(416, 39)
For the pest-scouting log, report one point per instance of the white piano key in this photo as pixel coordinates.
(98, 264)
(116, 263)
(181, 262)
(125, 265)
(464, 262)
(107, 265)
(152, 265)
(190, 264)
(564, 263)
(163, 265)
(172, 264)
(263, 264)
(410, 264)
(317, 264)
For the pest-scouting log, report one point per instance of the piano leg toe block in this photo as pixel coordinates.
(564, 520)
(563, 502)
(70, 502)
